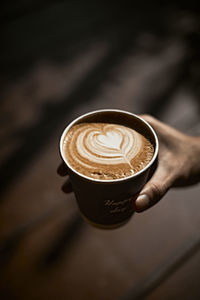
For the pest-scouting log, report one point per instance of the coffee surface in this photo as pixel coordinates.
(106, 151)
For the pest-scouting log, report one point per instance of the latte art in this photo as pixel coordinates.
(106, 151)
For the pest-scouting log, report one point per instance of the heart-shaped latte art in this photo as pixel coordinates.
(104, 144)
(103, 148)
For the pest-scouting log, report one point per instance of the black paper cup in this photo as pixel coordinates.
(109, 203)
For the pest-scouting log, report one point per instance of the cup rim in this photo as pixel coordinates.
(114, 180)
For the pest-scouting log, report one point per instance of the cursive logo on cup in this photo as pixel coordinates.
(118, 206)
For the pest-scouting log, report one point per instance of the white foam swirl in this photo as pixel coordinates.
(103, 144)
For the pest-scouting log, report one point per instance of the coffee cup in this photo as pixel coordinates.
(105, 199)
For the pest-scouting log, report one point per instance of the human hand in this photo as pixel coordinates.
(178, 164)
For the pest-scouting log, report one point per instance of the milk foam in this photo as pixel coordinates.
(106, 151)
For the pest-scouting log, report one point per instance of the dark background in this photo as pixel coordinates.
(60, 59)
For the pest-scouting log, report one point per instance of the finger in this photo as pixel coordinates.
(62, 169)
(154, 190)
(156, 124)
(163, 130)
(67, 187)
(153, 121)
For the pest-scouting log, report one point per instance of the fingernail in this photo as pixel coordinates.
(142, 202)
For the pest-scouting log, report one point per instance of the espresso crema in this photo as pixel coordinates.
(106, 151)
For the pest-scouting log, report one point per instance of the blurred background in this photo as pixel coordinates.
(60, 59)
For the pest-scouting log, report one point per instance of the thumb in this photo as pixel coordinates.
(154, 190)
